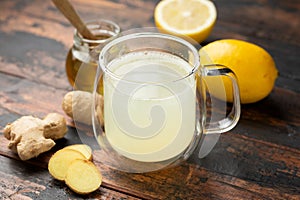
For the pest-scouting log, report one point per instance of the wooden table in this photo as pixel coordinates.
(259, 159)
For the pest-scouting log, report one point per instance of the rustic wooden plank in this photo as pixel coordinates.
(129, 14)
(274, 17)
(217, 162)
(272, 172)
(20, 180)
(37, 18)
(277, 22)
(270, 24)
(29, 98)
(259, 169)
(33, 57)
(265, 163)
(226, 158)
(240, 165)
(275, 119)
(36, 30)
(6, 117)
(259, 159)
(188, 181)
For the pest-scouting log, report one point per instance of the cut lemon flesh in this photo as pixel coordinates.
(192, 18)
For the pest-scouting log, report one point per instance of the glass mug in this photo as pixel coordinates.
(155, 112)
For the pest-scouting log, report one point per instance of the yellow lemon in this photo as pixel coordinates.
(254, 67)
(192, 18)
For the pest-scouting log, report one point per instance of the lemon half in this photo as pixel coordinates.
(192, 18)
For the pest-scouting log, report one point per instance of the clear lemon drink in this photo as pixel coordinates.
(149, 107)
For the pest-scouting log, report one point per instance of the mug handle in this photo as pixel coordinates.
(232, 118)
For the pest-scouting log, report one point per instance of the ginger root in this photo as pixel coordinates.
(30, 136)
(78, 105)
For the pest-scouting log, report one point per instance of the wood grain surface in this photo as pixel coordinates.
(258, 159)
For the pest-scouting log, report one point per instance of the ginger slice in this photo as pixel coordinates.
(60, 162)
(83, 177)
(82, 148)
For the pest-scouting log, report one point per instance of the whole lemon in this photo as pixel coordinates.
(253, 66)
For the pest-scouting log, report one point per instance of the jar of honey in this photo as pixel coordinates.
(82, 58)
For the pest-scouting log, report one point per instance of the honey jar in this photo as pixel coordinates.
(82, 58)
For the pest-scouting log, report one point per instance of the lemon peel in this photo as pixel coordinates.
(253, 66)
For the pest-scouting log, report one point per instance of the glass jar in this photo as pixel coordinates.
(82, 58)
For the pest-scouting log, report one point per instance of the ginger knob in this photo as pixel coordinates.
(78, 106)
(30, 136)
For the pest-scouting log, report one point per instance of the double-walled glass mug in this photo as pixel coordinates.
(155, 112)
